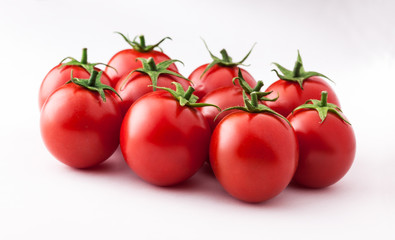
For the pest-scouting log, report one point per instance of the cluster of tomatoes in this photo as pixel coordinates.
(168, 125)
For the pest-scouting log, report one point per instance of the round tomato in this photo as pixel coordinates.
(326, 145)
(163, 142)
(254, 154)
(217, 74)
(61, 74)
(227, 97)
(125, 61)
(296, 87)
(145, 80)
(78, 127)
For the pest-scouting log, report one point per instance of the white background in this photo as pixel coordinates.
(353, 42)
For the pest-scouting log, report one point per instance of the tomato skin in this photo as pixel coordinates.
(58, 76)
(78, 128)
(162, 142)
(326, 150)
(216, 77)
(254, 156)
(292, 96)
(137, 84)
(126, 61)
(224, 98)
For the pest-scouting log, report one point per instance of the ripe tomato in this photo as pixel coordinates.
(61, 74)
(163, 142)
(253, 155)
(326, 145)
(125, 61)
(227, 97)
(78, 127)
(217, 74)
(296, 87)
(145, 80)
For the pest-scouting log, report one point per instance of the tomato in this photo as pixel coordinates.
(78, 127)
(254, 154)
(125, 61)
(326, 145)
(163, 142)
(217, 74)
(61, 74)
(296, 87)
(145, 80)
(227, 97)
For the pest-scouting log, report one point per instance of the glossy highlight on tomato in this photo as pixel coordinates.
(163, 142)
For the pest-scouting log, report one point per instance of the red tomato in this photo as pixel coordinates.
(218, 73)
(162, 142)
(135, 85)
(296, 87)
(291, 95)
(78, 127)
(227, 97)
(61, 74)
(217, 77)
(326, 149)
(253, 155)
(126, 61)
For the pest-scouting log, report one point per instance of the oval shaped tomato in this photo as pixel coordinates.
(61, 74)
(162, 142)
(216, 77)
(225, 97)
(253, 155)
(126, 61)
(147, 79)
(296, 87)
(291, 95)
(326, 148)
(78, 127)
(138, 84)
(219, 73)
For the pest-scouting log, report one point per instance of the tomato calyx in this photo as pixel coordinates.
(322, 107)
(298, 74)
(141, 46)
(226, 60)
(93, 84)
(186, 98)
(248, 89)
(83, 63)
(253, 106)
(154, 70)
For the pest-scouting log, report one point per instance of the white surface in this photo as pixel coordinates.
(353, 42)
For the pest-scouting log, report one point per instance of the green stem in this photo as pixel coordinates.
(225, 56)
(84, 58)
(254, 99)
(258, 86)
(297, 67)
(142, 41)
(189, 93)
(324, 99)
(92, 79)
(152, 64)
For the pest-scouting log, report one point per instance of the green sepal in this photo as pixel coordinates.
(186, 98)
(154, 70)
(141, 46)
(298, 74)
(248, 89)
(226, 59)
(94, 84)
(83, 63)
(253, 106)
(322, 107)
